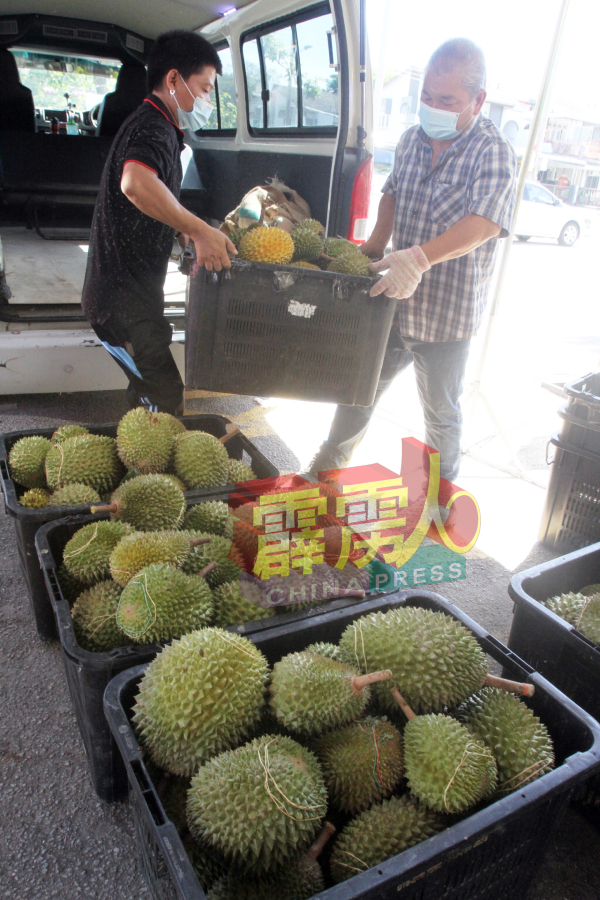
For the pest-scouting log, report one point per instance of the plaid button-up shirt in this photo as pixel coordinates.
(476, 174)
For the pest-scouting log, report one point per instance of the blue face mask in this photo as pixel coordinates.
(440, 124)
(199, 114)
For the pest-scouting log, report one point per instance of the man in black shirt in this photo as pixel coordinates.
(137, 215)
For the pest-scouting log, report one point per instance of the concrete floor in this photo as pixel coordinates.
(56, 839)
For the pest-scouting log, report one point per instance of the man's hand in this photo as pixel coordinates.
(405, 270)
(372, 249)
(212, 248)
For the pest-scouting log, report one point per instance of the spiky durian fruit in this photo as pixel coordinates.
(67, 431)
(201, 695)
(322, 648)
(269, 245)
(94, 620)
(149, 503)
(161, 603)
(299, 878)
(70, 586)
(258, 804)
(212, 517)
(383, 831)
(233, 606)
(435, 660)
(308, 246)
(174, 425)
(302, 264)
(86, 556)
(84, 459)
(144, 441)
(590, 590)
(201, 460)
(447, 768)
(518, 740)
(27, 459)
(144, 548)
(580, 610)
(362, 763)
(217, 550)
(240, 471)
(74, 495)
(338, 246)
(35, 498)
(311, 693)
(238, 233)
(310, 225)
(351, 264)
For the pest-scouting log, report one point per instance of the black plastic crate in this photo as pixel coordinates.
(571, 517)
(584, 398)
(492, 854)
(283, 331)
(550, 644)
(27, 521)
(88, 673)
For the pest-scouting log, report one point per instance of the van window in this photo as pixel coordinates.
(224, 114)
(50, 76)
(291, 84)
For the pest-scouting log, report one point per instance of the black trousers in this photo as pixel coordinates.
(147, 339)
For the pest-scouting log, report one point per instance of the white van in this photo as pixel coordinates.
(294, 100)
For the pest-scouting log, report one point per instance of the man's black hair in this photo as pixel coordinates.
(182, 50)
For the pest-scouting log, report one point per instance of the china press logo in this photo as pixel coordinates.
(358, 530)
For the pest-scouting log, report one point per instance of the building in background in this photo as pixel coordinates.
(569, 161)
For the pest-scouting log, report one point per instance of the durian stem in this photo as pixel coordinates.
(195, 542)
(513, 687)
(403, 704)
(328, 258)
(327, 831)
(207, 569)
(359, 682)
(232, 430)
(111, 508)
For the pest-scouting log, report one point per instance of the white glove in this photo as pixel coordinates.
(405, 270)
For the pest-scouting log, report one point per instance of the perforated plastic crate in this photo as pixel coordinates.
(283, 331)
(492, 854)
(571, 516)
(28, 521)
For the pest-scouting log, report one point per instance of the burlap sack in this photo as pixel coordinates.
(275, 202)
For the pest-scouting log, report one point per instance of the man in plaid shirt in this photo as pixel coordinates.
(448, 199)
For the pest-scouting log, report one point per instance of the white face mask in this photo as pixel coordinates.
(199, 114)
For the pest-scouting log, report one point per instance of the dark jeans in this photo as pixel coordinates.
(154, 379)
(439, 368)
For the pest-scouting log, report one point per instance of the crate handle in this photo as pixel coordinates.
(572, 448)
(549, 462)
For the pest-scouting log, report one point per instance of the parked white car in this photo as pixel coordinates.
(541, 214)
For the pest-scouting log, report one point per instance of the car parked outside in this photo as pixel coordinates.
(543, 215)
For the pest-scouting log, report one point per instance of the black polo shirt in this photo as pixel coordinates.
(129, 251)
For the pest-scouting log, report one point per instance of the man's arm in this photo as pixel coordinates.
(375, 246)
(151, 196)
(467, 234)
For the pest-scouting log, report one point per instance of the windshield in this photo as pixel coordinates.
(50, 77)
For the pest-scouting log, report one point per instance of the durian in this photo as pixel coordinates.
(311, 693)
(148, 503)
(310, 225)
(86, 556)
(383, 831)
(435, 660)
(233, 607)
(94, 620)
(238, 233)
(447, 768)
(308, 246)
(351, 264)
(70, 586)
(216, 550)
(74, 495)
(144, 441)
(338, 246)
(144, 548)
(240, 471)
(26, 461)
(174, 425)
(322, 648)
(67, 431)
(34, 498)
(518, 740)
(161, 603)
(268, 245)
(302, 264)
(201, 695)
(84, 459)
(580, 610)
(212, 517)
(259, 804)
(201, 460)
(362, 763)
(590, 590)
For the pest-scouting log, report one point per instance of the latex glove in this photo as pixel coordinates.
(405, 268)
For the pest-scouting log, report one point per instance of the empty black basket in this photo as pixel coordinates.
(283, 331)
(492, 854)
(571, 516)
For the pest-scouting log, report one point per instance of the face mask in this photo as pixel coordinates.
(199, 114)
(439, 124)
